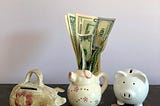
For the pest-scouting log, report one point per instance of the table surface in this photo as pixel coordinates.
(108, 98)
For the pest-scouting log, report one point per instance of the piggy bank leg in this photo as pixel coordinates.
(138, 105)
(120, 102)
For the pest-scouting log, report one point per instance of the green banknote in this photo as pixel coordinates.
(83, 22)
(103, 28)
(88, 26)
(89, 35)
(70, 30)
(84, 25)
(85, 41)
(71, 21)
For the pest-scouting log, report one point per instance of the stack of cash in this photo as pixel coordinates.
(89, 36)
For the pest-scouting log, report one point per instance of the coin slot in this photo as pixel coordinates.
(28, 88)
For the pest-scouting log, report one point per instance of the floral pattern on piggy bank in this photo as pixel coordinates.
(130, 87)
(85, 89)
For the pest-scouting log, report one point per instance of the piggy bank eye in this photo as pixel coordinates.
(134, 83)
(124, 82)
(130, 71)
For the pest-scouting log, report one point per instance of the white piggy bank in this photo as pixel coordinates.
(131, 87)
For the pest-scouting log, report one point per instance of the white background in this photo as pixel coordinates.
(33, 34)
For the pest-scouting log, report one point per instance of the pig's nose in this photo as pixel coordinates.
(127, 95)
(72, 76)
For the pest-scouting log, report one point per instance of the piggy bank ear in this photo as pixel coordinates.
(119, 74)
(87, 74)
(141, 76)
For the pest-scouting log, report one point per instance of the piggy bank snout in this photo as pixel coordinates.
(72, 76)
(127, 95)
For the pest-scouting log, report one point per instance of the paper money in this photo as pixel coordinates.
(84, 24)
(81, 21)
(89, 35)
(70, 30)
(103, 28)
(71, 20)
(85, 41)
(89, 26)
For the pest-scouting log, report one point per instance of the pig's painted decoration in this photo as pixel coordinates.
(130, 87)
(23, 97)
(36, 93)
(85, 89)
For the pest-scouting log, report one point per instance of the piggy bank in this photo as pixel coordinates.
(130, 87)
(85, 89)
(30, 93)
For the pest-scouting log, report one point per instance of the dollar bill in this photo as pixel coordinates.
(97, 69)
(82, 20)
(88, 26)
(69, 30)
(94, 61)
(89, 35)
(86, 49)
(71, 24)
(103, 28)
(84, 25)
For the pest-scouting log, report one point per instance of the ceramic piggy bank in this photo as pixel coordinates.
(130, 87)
(36, 93)
(85, 89)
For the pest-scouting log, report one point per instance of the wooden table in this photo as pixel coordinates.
(108, 98)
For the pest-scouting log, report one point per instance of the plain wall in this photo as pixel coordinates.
(33, 34)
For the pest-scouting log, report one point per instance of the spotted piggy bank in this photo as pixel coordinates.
(130, 87)
(85, 89)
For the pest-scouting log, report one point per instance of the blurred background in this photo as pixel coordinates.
(33, 34)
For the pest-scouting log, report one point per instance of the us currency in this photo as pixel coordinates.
(97, 68)
(85, 41)
(89, 36)
(82, 21)
(71, 25)
(94, 68)
(103, 28)
(88, 26)
(84, 25)
(69, 30)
